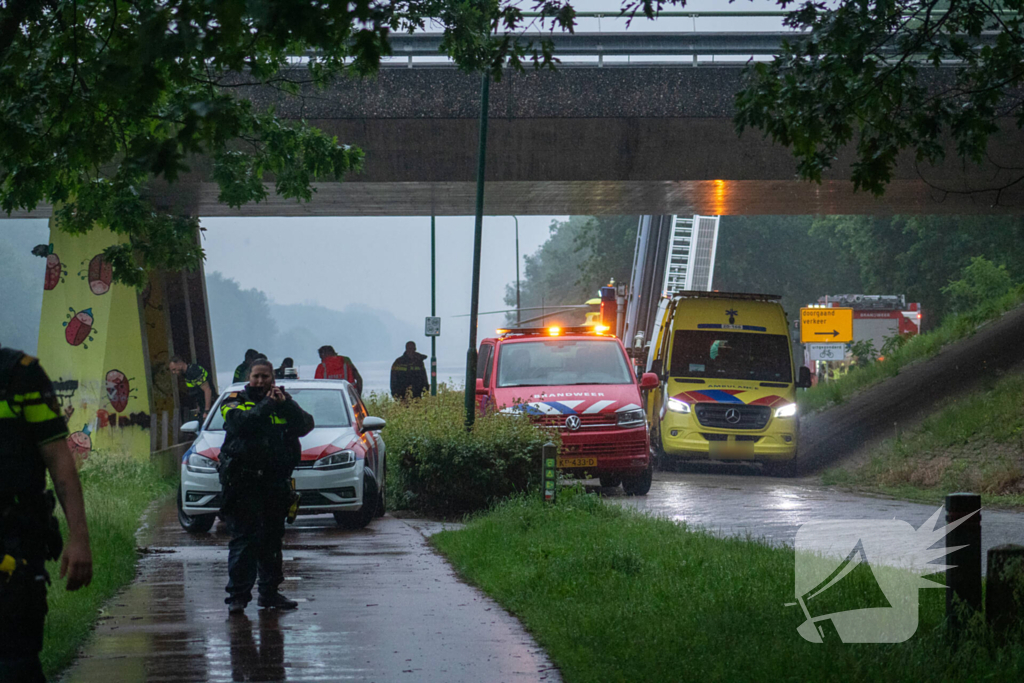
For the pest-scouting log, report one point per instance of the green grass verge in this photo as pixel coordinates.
(972, 444)
(614, 595)
(118, 489)
(953, 328)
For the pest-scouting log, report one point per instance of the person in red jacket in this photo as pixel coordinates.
(333, 366)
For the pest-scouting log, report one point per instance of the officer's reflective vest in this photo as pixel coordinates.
(22, 470)
(336, 367)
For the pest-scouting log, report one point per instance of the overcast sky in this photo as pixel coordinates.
(381, 262)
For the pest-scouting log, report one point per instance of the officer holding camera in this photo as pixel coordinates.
(33, 441)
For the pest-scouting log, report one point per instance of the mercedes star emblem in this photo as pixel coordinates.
(732, 416)
(572, 422)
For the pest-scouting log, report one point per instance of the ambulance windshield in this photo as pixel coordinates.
(720, 354)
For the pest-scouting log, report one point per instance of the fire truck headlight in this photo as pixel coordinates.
(788, 410)
(678, 406)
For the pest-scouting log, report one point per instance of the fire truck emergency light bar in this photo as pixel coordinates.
(553, 331)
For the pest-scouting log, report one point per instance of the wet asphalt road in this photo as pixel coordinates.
(375, 605)
(773, 509)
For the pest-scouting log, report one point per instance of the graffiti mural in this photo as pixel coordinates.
(55, 270)
(90, 341)
(99, 274)
(118, 390)
(78, 327)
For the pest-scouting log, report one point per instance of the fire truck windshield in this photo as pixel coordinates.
(719, 354)
(562, 362)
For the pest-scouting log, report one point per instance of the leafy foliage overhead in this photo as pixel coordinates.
(99, 98)
(866, 73)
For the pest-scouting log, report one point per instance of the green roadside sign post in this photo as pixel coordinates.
(549, 470)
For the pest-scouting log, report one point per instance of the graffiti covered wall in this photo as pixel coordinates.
(91, 345)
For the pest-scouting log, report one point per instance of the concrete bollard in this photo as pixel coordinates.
(1003, 608)
(964, 579)
(549, 471)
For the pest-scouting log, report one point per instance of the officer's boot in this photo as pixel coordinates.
(276, 601)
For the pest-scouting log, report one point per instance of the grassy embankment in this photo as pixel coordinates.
(974, 443)
(953, 328)
(118, 489)
(614, 595)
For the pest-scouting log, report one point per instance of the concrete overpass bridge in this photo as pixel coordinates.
(651, 136)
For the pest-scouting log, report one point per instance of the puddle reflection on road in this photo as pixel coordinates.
(772, 510)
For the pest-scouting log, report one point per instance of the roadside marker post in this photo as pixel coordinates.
(549, 472)
(1004, 607)
(963, 579)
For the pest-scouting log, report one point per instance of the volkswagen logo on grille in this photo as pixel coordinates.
(572, 422)
(732, 416)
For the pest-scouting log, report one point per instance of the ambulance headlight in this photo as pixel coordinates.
(788, 410)
(677, 406)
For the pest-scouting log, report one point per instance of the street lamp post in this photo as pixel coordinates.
(433, 308)
(474, 305)
(518, 311)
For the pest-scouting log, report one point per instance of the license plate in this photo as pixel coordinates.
(577, 462)
(725, 449)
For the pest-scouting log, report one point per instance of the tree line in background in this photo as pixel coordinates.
(800, 258)
(247, 318)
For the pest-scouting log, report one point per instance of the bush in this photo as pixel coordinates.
(435, 465)
(980, 282)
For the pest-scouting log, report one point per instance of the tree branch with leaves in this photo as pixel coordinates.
(864, 73)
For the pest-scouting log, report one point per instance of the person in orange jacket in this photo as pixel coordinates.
(333, 366)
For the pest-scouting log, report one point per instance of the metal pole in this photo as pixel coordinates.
(518, 310)
(474, 306)
(963, 579)
(433, 306)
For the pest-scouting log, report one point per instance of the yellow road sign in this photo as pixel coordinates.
(826, 325)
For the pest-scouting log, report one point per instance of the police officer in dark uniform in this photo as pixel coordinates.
(32, 441)
(261, 448)
(200, 389)
(409, 374)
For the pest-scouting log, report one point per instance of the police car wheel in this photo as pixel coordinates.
(381, 500)
(194, 524)
(364, 515)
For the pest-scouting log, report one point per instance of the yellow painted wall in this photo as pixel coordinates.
(90, 344)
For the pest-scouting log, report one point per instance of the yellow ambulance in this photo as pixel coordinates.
(728, 388)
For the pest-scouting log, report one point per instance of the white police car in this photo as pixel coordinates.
(342, 470)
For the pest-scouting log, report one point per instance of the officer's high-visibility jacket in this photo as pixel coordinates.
(29, 418)
(262, 438)
(339, 367)
(195, 376)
